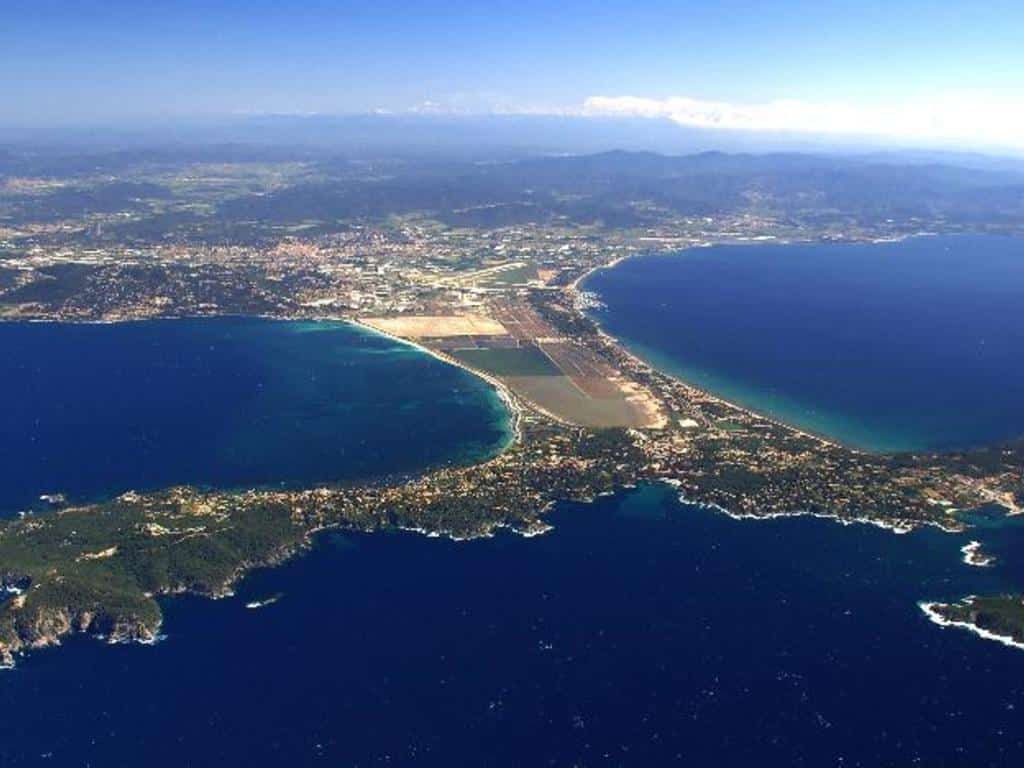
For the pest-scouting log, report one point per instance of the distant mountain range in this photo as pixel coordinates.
(616, 188)
(471, 137)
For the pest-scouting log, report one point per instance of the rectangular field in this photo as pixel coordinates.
(558, 395)
(557, 374)
(588, 372)
(436, 326)
(509, 361)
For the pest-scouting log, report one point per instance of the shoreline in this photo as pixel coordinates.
(507, 397)
(575, 289)
(517, 407)
(929, 609)
(899, 528)
(516, 403)
(974, 556)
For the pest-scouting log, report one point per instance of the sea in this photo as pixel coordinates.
(94, 410)
(640, 631)
(899, 346)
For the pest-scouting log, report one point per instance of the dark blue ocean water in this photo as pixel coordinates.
(94, 410)
(640, 632)
(896, 346)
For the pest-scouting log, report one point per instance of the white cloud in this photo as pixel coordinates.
(952, 119)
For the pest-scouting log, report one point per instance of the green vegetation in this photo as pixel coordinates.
(294, 233)
(1001, 614)
(509, 361)
(233, 194)
(96, 569)
(515, 276)
(54, 283)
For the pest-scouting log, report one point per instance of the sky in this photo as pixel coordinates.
(944, 71)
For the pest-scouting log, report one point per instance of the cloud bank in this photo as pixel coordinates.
(955, 119)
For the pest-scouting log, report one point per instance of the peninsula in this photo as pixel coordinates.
(97, 569)
(501, 300)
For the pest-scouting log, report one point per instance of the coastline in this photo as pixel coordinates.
(514, 402)
(897, 527)
(506, 396)
(517, 408)
(974, 556)
(576, 287)
(506, 421)
(930, 610)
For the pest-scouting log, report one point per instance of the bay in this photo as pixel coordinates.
(885, 346)
(91, 411)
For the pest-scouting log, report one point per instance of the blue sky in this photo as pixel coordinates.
(729, 62)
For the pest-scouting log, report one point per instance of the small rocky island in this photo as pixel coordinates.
(999, 618)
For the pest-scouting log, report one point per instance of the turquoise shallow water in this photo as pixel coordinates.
(895, 346)
(94, 410)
